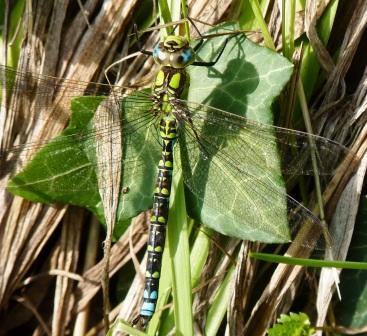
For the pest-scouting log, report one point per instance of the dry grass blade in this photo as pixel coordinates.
(82, 318)
(120, 255)
(344, 217)
(347, 207)
(334, 89)
(313, 12)
(66, 258)
(109, 167)
(245, 270)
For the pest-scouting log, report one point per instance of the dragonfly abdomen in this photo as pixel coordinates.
(173, 55)
(159, 217)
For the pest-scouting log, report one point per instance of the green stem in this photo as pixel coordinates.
(263, 26)
(178, 242)
(185, 14)
(219, 306)
(308, 262)
(308, 125)
(288, 23)
(165, 14)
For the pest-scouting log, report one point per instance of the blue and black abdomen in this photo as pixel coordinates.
(159, 217)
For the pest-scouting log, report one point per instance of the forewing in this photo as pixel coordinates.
(293, 147)
(34, 96)
(64, 170)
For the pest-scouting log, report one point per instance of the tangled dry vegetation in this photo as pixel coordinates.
(50, 255)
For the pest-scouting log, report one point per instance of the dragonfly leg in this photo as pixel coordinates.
(212, 63)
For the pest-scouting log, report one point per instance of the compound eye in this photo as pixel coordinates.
(184, 58)
(159, 55)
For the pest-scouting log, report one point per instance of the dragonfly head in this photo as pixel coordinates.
(174, 51)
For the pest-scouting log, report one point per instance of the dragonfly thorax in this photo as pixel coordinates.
(174, 52)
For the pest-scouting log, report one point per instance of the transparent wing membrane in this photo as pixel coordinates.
(243, 182)
(27, 83)
(42, 97)
(252, 141)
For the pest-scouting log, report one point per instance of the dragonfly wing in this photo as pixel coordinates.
(64, 170)
(233, 170)
(35, 97)
(293, 147)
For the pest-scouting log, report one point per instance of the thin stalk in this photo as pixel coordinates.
(3, 93)
(274, 258)
(175, 8)
(288, 23)
(291, 26)
(185, 14)
(308, 125)
(165, 14)
(81, 322)
(284, 38)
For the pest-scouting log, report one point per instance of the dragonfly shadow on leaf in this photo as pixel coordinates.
(238, 79)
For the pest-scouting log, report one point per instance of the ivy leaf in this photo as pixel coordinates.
(62, 172)
(292, 325)
(245, 81)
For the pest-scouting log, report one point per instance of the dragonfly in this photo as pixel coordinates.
(232, 166)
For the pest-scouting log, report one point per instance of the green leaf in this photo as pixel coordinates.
(245, 81)
(292, 325)
(61, 172)
(178, 239)
(219, 306)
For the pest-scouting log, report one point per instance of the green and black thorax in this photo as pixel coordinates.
(173, 55)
